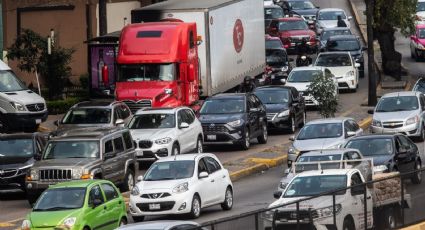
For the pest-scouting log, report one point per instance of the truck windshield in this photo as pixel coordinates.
(314, 185)
(147, 72)
(16, 148)
(152, 121)
(71, 149)
(60, 199)
(9, 82)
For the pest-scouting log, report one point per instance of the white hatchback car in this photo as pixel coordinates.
(343, 66)
(182, 184)
(162, 132)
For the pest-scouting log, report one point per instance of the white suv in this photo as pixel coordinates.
(181, 185)
(162, 132)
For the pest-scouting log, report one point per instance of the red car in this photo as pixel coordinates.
(291, 31)
(417, 43)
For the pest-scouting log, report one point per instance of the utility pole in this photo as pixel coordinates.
(370, 53)
(102, 18)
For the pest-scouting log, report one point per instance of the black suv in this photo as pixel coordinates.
(350, 43)
(284, 105)
(17, 155)
(233, 118)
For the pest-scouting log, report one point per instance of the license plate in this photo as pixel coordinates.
(154, 206)
(38, 121)
(212, 137)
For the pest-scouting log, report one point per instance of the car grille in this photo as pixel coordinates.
(271, 116)
(164, 206)
(35, 107)
(55, 174)
(5, 173)
(214, 128)
(342, 85)
(293, 215)
(298, 39)
(155, 195)
(136, 105)
(145, 144)
(393, 124)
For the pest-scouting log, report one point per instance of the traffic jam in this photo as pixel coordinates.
(189, 81)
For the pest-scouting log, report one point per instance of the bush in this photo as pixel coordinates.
(61, 106)
(84, 81)
(324, 90)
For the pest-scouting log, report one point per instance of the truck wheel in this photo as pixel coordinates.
(348, 224)
(389, 220)
(262, 139)
(417, 177)
(129, 182)
(245, 143)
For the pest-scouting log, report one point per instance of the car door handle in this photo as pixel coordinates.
(212, 180)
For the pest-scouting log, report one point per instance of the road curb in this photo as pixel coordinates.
(269, 162)
(419, 226)
(234, 176)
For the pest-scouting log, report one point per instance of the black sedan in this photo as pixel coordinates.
(284, 105)
(390, 152)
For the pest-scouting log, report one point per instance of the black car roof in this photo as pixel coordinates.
(94, 103)
(228, 95)
(343, 37)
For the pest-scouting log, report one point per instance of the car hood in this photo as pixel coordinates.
(300, 86)
(24, 97)
(394, 116)
(276, 108)
(66, 163)
(15, 162)
(146, 186)
(51, 219)
(380, 159)
(316, 203)
(340, 71)
(328, 23)
(149, 134)
(220, 118)
(293, 33)
(315, 144)
(307, 12)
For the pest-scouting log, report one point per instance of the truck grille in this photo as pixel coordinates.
(55, 174)
(271, 116)
(145, 144)
(35, 107)
(5, 173)
(393, 124)
(136, 105)
(214, 128)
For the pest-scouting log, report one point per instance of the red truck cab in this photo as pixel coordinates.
(158, 65)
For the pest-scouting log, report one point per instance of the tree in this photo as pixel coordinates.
(325, 92)
(387, 17)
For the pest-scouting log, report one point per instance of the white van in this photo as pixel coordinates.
(20, 108)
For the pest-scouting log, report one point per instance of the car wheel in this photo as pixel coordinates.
(246, 140)
(228, 200)
(199, 146)
(128, 181)
(195, 210)
(303, 121)
(262, 139)
(138, 218)
(348, 224)
(292, 125)
(417, 177)
(123, 222)
(389, 220)
(175, 150)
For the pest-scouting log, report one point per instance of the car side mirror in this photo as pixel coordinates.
(292, 138)
(203, 175)
(184, 125)
(57, 122)
(357, 65)
(370, 111)
(139, 178)
(119, 122)
(358, 190)
(349, 18)
(351, 133)
(277, 194)
(96, 202)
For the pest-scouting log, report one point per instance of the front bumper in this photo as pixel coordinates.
(174, 204)
(316, 224)
(408, 130)
(154, 152)
(346, 82)
(273, 121)
(25, 120)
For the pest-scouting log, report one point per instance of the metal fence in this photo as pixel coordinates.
(393, 202)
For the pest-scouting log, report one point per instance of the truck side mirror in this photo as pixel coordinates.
(191, 73)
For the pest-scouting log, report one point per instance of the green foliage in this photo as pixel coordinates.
(389, 15)
(84, 80)
(61, 106)
(324, 90)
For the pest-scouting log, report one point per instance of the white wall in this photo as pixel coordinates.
(116, 12)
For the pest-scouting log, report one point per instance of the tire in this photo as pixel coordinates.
(389, 220)
(303, 121)
(245, 143)
(199, 146)
(175, 150)
(262, 139)
(292, 125)
(129, 181)
(122, 222)
(138, 218)
(422, 135)
(195, 210)
(228, 200)
(348, 224)
(417, 176)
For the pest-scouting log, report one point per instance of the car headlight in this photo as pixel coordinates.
(376, 123)
(283, 185)
(328, 211)
(183, 187)
(69, 222)
(412, 120)
(163, 141)
(135, 191)
(380, 168)
(350, 73)
(284, 69)
(26, 225)
(77, 173)
(284, 113)
(18, 106)
(235, 123)
(293, 150)
(34, 174)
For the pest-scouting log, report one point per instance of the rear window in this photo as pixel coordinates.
(149, 34)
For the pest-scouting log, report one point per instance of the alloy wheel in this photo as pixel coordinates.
(200, 147)
(229, 198)
(196, 207)
(293, 128)
(130, 181)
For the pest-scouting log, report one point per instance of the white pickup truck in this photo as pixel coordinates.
(383, 205)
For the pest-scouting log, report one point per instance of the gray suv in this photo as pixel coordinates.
(93, 153)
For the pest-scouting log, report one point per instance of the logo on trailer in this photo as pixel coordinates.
(238, 35)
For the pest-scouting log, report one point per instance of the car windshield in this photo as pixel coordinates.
(87, 116)
(273, 96)
(273, 44)
(420, 86)
(272, 13)
(16, 148)
(328, 33)
(395, 104)
(9, 82)
(223, 106)
(60, 199)
(315, 185)
(304, 75)
(274, 57)
(71, 149)
(333, 60)
(152, 121)
(372, 147)
(421, 33)
(343, 45)
(147, 72)
(331, 15)
(293, 25)
(170, 170)
(322, 130)
(420, 7)
(301, 5)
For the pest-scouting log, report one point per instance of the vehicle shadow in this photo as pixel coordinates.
(8, 195)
